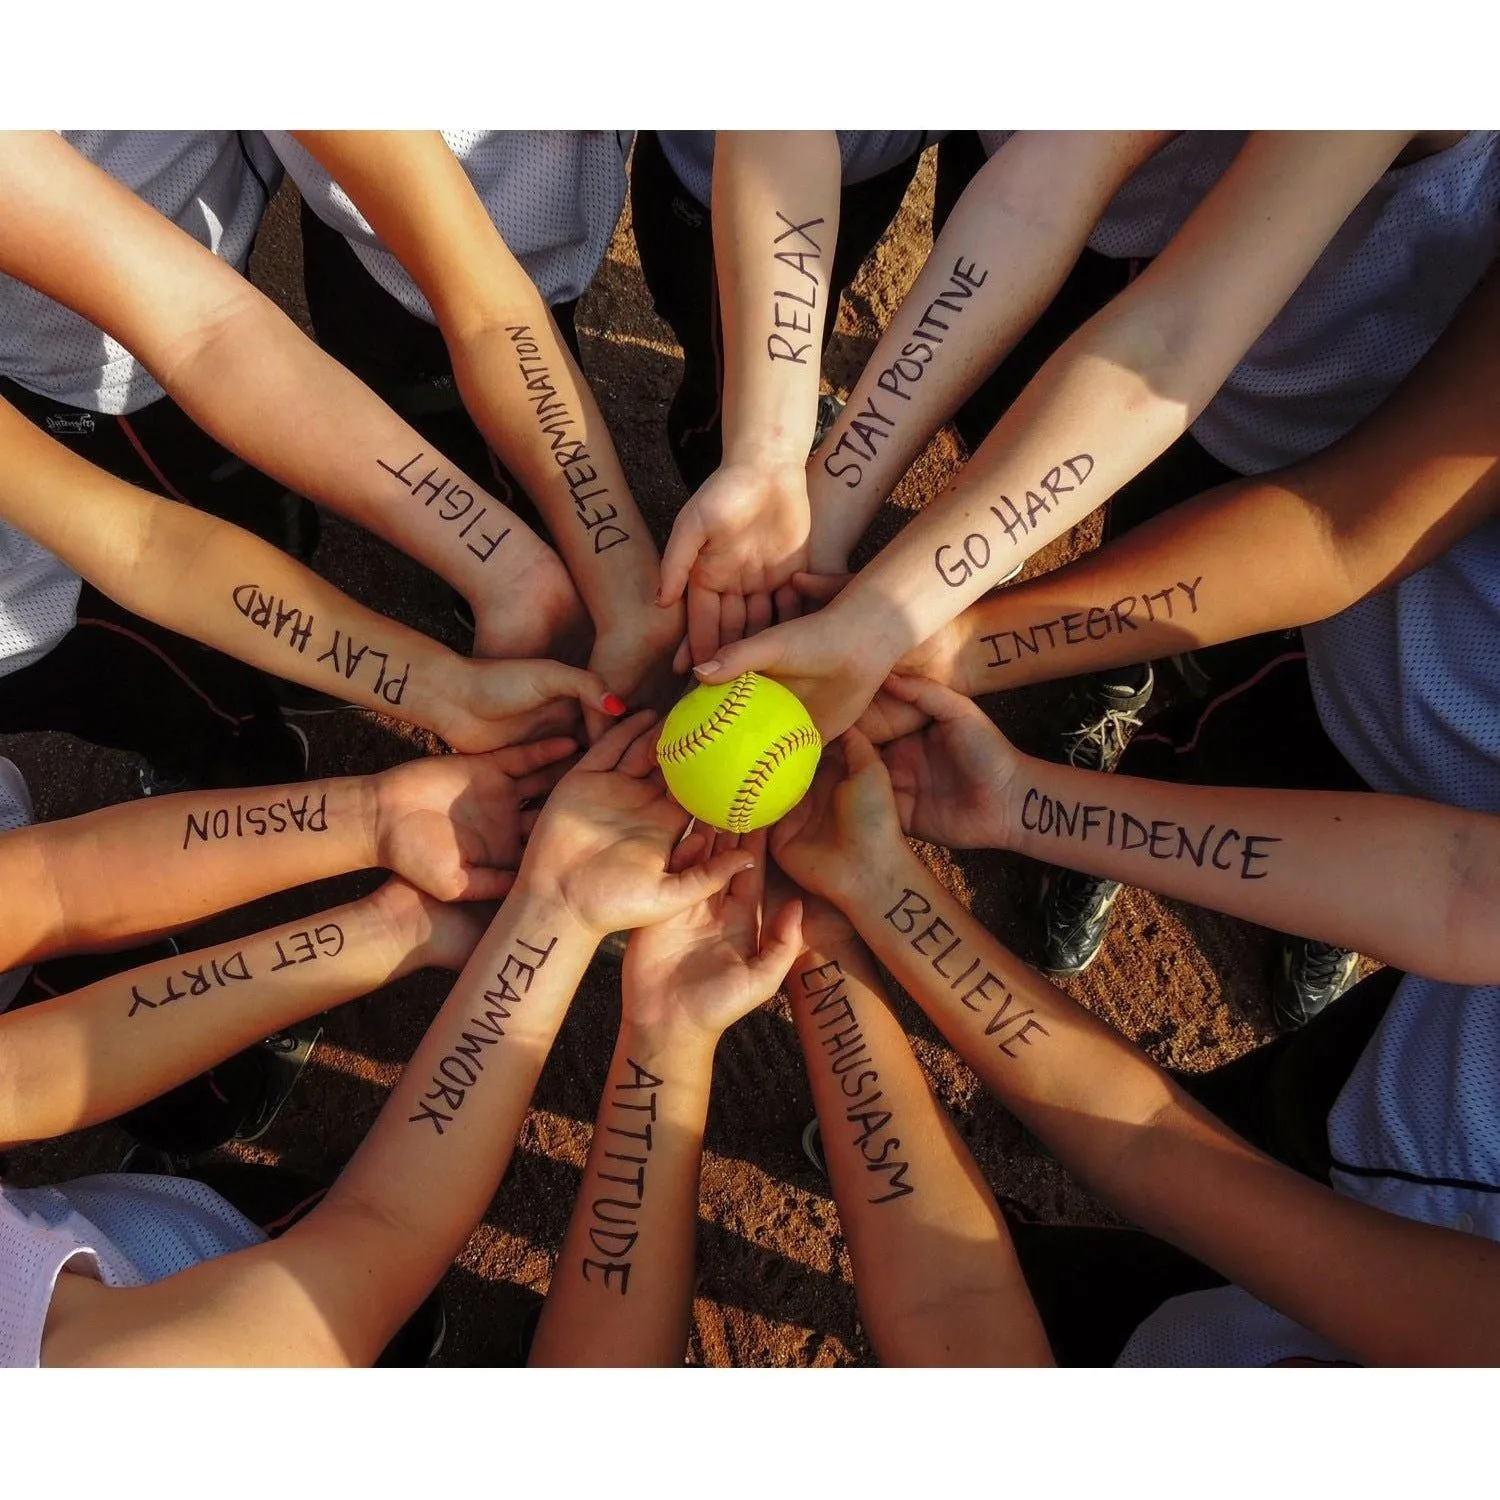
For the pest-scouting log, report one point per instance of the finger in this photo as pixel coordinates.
(682, 550)
(858, 751)
(691, 851)
(935, 700)
(540, 782)
(545, 680)
(528, 822)
(517, 760)
(679, 892)
(639, 759)
(788, 603)
(819, 588)
(759, 613)
(683, 659)
(605, 754)
(702, 622)
(888, 719)
(731, 617)
(780, 944)
(749, 886)
(594, 724)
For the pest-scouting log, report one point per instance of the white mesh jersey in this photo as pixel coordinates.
(863, 154)
(205, 182)
(1375, 301)
(16, 811)
(1407, 684)
(554, 195)
(38, 600)
(124, 1230)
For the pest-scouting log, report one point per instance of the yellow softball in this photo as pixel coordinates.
(739, 754)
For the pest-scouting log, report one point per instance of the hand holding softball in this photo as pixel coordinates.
(705, 968)
(603, 843)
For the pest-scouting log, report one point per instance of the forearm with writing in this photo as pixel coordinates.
(934, 1271)
(404, 1206)
(96, 1052)
(1001, 257)
(140, 868)
(521, 384)
(622, 1289)
(775, 222)
(1314, 863)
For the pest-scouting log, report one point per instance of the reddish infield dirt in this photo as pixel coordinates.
(774, 1274)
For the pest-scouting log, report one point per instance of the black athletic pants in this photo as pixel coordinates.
(122, 682)
(674, 235)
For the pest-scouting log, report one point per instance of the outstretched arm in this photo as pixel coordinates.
(1122, 1125)
(451, 825)
(743, 535)
(622, 1290)
(1267, 553)
(1004, 252)
(937, 1280)
(1315, 863)
(246, 374)
(209, 580)
(92, 1054)
(1107, 403)
(521, 384)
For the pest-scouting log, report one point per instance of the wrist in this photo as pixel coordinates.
(863, 880)
(772, 446)
(675, 1041)
(1001, 825)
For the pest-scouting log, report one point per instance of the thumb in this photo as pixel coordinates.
(697, 883)
(757, 653)
(779, 947)
(859, 753)
(681, 552)
(819, 588)
(529, 684)
(483, 883)
(935, 700)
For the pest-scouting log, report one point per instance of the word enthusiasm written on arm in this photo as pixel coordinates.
(849, 1061)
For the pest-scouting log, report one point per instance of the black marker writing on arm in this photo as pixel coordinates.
(615, 1230)
(792, 308)
(453, 500)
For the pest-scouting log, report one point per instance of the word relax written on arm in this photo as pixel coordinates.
(293, 628)
(223, 971)
(958, 562)
(976, 987)
(779, 345)
(569, 451)
(1217, 848)
(616, 1226)
(459, 1070)
(869, 426)
(849, 1061)
(1096, 623)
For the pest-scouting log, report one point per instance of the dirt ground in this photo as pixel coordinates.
(774, 1274)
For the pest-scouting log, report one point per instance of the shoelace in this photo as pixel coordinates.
(1320, 964)
(1100, 744)
(1074, 897)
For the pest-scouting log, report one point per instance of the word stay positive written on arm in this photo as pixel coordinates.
(615, 1228)
(869, 426)
(1095, 623)
(804, 293)
(459, 1070)
(958, 562)
(293, 627)
(569, 450)
(849, 1061)
(976, 986)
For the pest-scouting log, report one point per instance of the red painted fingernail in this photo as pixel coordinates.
(612, 705)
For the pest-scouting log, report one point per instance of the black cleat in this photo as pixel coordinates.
(1075, 917)
(1106, 713)
(1309, 977)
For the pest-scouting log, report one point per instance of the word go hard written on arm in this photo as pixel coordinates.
(615, 1229)
(569, 451)
(870, 425)
(849, 1061)
(982, 990)
(222, 972)
(957, 562)
(802, 250)
(459, 1070)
